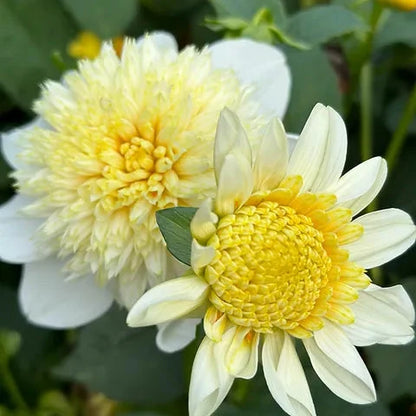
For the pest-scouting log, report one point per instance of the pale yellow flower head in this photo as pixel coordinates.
(277, 256)
(116, 140)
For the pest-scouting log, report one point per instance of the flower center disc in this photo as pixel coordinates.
(270, 267)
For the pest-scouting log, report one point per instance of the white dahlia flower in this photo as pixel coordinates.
(276, 256)
(114, 141)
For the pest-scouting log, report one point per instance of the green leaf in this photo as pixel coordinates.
(313, 80)
(30, 31)
(320, 24)
(106, 18)
(174, 224)
(9, 342)
(53, 403)
(124, 363)
(400, 27)
(247, 9)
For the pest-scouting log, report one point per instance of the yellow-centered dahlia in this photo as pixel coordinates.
(277, 256)
(114, 141)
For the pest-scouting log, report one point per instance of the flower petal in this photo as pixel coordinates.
(175, 335)
(272, 157)
(359, 186)
(204, 221)
(339, 366)
(387, 234)
(260, 65)
(201, 255)
(210, 381)
(234, 185)
(167, 301)
(241, 357)
(309, 153)
(284, 375)
(17, 244)
(383, 316)
(49, 300)
(230, 138)
(161, 39)
(10, 142)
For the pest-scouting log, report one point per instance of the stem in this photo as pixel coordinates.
(9, 383)
(366, 111)
(400, 135)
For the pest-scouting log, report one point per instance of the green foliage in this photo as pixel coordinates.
(123, 363)
(174, 224)
(106, 18)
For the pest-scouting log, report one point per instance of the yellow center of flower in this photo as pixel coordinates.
(279, 264)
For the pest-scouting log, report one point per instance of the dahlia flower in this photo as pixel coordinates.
(114, 141)
(276, 257)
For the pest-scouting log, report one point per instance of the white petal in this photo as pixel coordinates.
(309, 153)
(292, 140)
(272, 157)
(383, 316)
(17, 244)
(359, 186)
(339, 365)
(201, 255)
(204, 221)
(175, 335)
(210, 382)
(127, 289)
(10, 142)
(167, 301)
(163, 40)
(284, 375)
(47, 299)
(260, 65)
(234, 185)
(387, 234)
(241, 357)
(333, 159)
(230, 138)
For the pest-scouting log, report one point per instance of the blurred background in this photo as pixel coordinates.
(357, 56)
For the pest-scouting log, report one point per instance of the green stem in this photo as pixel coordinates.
(400, 134)
(366, 111)
(9, 383)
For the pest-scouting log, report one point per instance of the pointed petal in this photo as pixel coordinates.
(210, 382)
(359, 186)
(308, 155)
(175, 335)
(383, 316)
(127, 289)
(230, 138)
(242, 354)
(387, 234)
(333, 159)
(339, 366)
(17, 244)
(260, 65)
(204, 221)
(292, 140)
(272, 157)
(234, 186)
(284, 375)
(47, 299)
(167, 301)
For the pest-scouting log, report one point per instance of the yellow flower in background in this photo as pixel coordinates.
(87, 45)
(406, 5)
(276, 256)
(113, 142)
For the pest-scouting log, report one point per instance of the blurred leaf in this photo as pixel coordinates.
(9, 342)
(53, 403)
(394, 112)
(400, 27)
(124, 363)
(30, 31)
(106, 18)
(313, 81)
(169, 7)
(174, 224)
(247, 9)
(320, 24)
